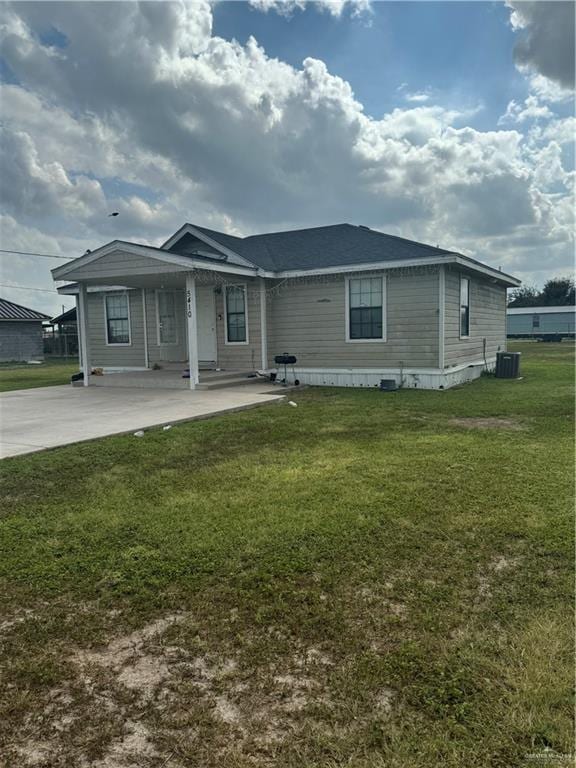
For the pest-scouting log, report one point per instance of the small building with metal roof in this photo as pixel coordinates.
(20, 333)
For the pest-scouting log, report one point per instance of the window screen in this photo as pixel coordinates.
(117, 323)
(464, 306)
(235, 313)
(365, 308)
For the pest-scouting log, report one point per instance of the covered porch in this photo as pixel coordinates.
(173, 377)
(144, 323)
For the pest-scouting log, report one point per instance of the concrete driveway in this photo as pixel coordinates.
(46, 417)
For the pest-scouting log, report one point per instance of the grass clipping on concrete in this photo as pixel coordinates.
(372, 580)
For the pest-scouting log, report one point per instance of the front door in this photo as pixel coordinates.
(206, 319)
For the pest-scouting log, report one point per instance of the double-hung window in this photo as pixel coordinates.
(535, 321)
(117, 311)
(366, 309)
(236, 326)
(464, 307)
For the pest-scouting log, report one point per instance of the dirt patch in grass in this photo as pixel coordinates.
(133, 749)
(123, 648)
(383, 701)
(242, 712)
(487, 423)
(495, 569)
(22, 616)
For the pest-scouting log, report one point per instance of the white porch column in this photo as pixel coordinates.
(83, 326)
(80, 353)
(145, 321)
(192, 326)
(263, 325)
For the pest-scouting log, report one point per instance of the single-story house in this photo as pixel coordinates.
(20, 333)
(541, 322)
(352, 304)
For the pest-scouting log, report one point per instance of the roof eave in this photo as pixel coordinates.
(496, 274)
(449, 258)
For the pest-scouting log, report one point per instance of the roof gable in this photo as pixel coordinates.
(183, 242)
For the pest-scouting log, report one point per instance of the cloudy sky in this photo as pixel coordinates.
(451, 123)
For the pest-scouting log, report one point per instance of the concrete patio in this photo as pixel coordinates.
(35, 419)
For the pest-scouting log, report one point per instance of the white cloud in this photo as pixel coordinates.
(418, 97)
(181, 126)
(532, 109)
(33, 272)
(50, 190)
(333, 7)
(561, 130)
(548, 91)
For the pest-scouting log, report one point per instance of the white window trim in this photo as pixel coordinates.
(115, 343)
(384, 339)
(244, 287)
(466, 336)
(164, 343)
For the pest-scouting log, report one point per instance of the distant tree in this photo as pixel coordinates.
(558, 292)
(525, 296)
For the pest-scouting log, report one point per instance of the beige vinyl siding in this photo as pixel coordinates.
(101, 354)
(487, 319)
(307, 318)
(120, 264)
(240, 356)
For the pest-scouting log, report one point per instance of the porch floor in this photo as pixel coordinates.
(172, 379)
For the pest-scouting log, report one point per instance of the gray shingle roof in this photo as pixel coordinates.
(11, 311)
(332, 246)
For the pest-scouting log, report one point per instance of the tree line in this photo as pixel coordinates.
(557, 292)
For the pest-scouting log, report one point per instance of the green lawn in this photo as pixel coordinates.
(47, 374)
(366, 581)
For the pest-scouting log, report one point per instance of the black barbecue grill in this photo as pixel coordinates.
(286, 360)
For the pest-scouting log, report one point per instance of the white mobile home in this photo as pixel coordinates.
(353, 305)
(541, 322)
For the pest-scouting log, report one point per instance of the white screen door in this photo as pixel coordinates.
(206, 318)
(167, 328)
